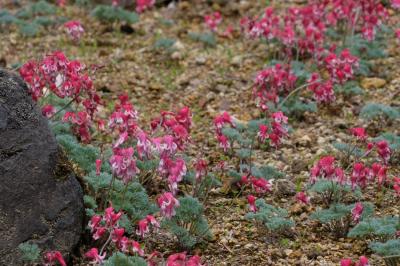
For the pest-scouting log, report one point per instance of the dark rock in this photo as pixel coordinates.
(40, 199)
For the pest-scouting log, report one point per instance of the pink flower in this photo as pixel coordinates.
(384, 150)
(358, 177)
(221, 120)
(252, 203)
(167, 204)
(178, 259)
(212, 21)
(137, 248)
(223, 142)
(99, 232)
(324, 168)
(201, 168)
(382, 176)
(74, 29)
(142, 5)
(397, 33)
(143, 227)
(98, 166)
(123, 164)
(117, 235)
(48, 110)
(346, 262)
(194, 261)
(357, 211)
(111, 217)
(302, 198)
(323, 91)
(263, 133)
(52, 257)
(359, 132)
(363, 261)
(152, 221)
(341, 68)
(94, 256)
(395, 4)
(94, 222)
(261, 185)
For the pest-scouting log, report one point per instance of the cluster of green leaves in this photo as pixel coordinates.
(376, 111)
(189, 224)
(275, 219)
(349, 88)
(29, 252)
(208, 39)
(119, 258)
(165, 44)
(32, 18)
(333, 192)
(107, 13)
(338, 216)
(244, 137)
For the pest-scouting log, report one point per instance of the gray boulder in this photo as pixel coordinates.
(40, 199)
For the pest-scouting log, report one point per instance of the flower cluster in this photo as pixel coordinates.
(102, 225)
(52, 257)
(212, 21)
(341, 68)
(181, 259)
(363, 261)
(123, 164)
(74, 29)
(271, 83)
(167, 203)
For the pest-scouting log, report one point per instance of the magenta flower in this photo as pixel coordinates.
(212, 21)
(346, 262)
(342, 68)
(74, 29)
(396, 185)
(358, 176)
(143, 227)
(252, 203)
(48, 110)
(194, 261)
(94, 222)
(110, 217)
(383, 150)
(223, 142)
(357, 211)
(261, 185)
(142, 5)
(363, 261)
(302, 198)
(167, 203)
(136, 248)
(395, 4)
(52, 257)
(152, 221)
(117, 235)
(98, 166)
(323, 91)
(263, 133)
(94, 256)
(201, 168)
(221, 120)
(178, 259)
(359, 133)
(99, 232)
(123, 164)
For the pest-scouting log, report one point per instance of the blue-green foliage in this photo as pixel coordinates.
(337, 212)
(29, 252)
(82, 155)
(383, 227)
(273, 218)
(32, 18)
(373, 111)
(349, 88)
(165, 44)
(332, 191)
(208, 39)
(388, 248)
(108, 13)
(189, 224)
(348, 149)
(119, 259)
